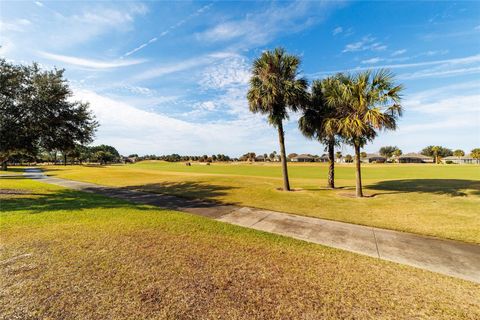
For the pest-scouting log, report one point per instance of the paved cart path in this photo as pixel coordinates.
(453, 258)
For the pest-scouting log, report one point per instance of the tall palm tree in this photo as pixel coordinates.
(435, 151)
(312, 122)
(275, 87)
(369, 102)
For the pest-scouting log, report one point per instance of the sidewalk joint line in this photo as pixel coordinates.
(376, 243)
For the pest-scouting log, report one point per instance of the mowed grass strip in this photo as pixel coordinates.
(434, 200)
(67, 254)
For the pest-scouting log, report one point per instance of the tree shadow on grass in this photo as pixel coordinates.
(60, 200)
(174, 196)
(452, 187)
(187, 190)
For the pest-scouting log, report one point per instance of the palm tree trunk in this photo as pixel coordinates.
(4, 165)
(358, 173)
(64, 159)
(281, 139)
(331, 163)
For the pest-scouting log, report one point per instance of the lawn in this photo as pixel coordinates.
(66, 254)
(435, 200)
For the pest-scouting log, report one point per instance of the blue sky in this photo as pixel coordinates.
(165, 77)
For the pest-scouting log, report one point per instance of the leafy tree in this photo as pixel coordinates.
(458, 153)
(363, 155)
(388, 151)
(36, 112)
(436, 152)
(104, 154)
(369, 102)
(275, 87)
(348, 158)
(338, 154)
(475, 153)
(312, 122)
(397, 153)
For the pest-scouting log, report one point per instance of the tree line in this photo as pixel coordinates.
(37, 113)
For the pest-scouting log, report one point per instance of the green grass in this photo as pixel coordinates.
(66, 254)
(435, 200)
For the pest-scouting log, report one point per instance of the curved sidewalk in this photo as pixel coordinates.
(453, 258)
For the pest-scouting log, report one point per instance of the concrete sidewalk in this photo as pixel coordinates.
(453, 258)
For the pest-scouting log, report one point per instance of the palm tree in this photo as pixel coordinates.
(435, 151)
(276, 87)
(369, 102)
(311, 123)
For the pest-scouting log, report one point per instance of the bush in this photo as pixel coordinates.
(449, 162)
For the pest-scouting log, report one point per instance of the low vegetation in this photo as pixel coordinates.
(434, 200)
(68, 254)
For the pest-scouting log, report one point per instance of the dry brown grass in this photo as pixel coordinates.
(70, 255)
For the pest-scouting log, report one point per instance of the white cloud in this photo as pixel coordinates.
(136, 131)
(372, 60)
(38, 3)
(17, 25)
(442, 63)
(366, 43)
(398, 52)
(261, 27)
(226, 73)
(337, 30)
(438, 72)
(88, 63)
(181, 66)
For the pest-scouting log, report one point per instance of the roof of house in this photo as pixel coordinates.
(414, 155)
(467, 157)
(374, 155)
(303, 156)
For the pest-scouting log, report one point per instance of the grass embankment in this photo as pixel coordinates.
(67, 254)
(435, 200)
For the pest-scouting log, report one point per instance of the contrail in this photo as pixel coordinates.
(170, 29)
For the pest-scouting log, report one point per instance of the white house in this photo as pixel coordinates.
(461, 160)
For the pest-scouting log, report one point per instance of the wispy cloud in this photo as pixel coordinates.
(398, 52)
(447, 62)
(366, 43)
(226, 73)
(181, 66)
(133, 130)
(170, 29)
(88, 63)
(38, 3)
(337, 30)
(260, 27)
(18, 25)
(372, 60)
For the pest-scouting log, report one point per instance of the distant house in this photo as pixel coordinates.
(129, 159)
(461, 160)
(414, 158)
(260, 158)
(323, 158)
(303, 158)
(374, 158)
